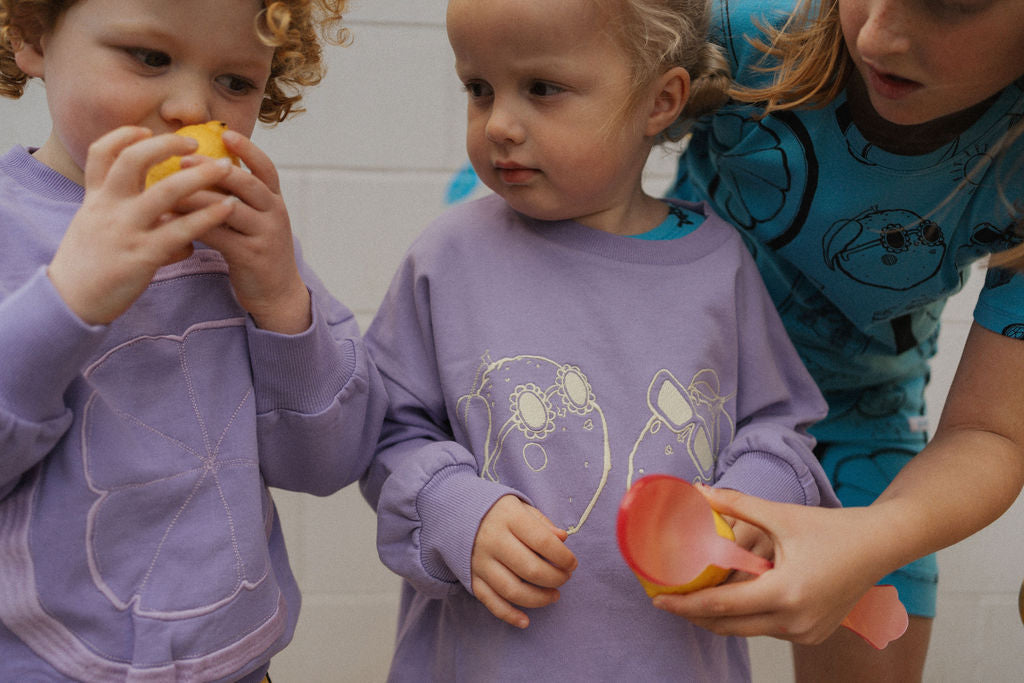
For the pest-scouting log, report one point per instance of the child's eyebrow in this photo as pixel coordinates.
(139, 28)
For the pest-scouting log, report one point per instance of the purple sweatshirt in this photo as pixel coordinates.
(559, 363)
(138, 537)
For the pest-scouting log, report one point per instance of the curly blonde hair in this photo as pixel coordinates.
(295, 28)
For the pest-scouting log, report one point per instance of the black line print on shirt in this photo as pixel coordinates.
(890, 249)
(759, 186)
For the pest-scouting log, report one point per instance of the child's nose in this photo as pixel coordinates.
(886, 29)
(503, 125)
(186, 105)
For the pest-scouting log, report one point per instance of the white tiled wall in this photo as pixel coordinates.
(363, 171)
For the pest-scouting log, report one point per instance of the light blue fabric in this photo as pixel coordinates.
(679, 222)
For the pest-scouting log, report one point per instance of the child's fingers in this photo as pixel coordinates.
(547, 541)
(508, 585)
(745, 609)
(255, 159)
(172, 236)
(500, 607)
(511, 585)
(175, 192)
(104, 151)
(750, 509)
(529, 565)
(561, 533)
(132, 163)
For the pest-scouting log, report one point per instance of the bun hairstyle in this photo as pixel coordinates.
(711, 87)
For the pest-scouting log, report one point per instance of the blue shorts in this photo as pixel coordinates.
(862, 447)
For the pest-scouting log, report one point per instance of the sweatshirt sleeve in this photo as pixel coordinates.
(44, 347)
(424, 485)
(320, 401)
(777, 401)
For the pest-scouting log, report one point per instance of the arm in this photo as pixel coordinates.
(423, 484)
(771, 455)
(115, 242)
(320, 401)
(440, 525)
(825, 560)
(45, 346)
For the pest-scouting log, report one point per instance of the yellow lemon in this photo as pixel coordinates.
(208, 135)
(711, 576)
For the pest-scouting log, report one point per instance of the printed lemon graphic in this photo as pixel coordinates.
(208, 135)
(711, 576)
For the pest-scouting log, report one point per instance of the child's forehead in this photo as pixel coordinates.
(524, 26)
(526, 17)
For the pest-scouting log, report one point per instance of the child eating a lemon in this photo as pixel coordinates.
(167, 355)
(545, 347)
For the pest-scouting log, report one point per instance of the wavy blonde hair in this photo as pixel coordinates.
(296, 29)
(811, 65)
(661, 34)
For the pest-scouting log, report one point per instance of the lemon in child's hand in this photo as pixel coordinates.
(211, 144)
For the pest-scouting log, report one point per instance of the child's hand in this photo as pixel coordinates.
(121, 235)
(519, 558)
(256, 241)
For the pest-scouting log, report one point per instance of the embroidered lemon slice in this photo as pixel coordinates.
(208, 135)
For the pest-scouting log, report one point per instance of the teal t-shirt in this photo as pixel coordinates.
(848, 237)
(679, 222)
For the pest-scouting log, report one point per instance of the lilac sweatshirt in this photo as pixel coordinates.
(559, 363)
(138, 537)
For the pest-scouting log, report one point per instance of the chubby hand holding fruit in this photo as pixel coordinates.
(256, 239)
(209, 135)
(119, 237)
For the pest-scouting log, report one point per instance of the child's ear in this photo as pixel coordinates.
(670, 90)
(29, 59)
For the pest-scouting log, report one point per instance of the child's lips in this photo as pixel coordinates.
(514, 174)
(890, 85)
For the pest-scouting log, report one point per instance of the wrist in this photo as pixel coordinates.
(287, 314)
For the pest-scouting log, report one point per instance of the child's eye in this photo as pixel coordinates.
(236, 84)
(544, 89)
(478, 89)
(153, 59)
(959, 7)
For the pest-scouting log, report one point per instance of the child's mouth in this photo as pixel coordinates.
(891, 86)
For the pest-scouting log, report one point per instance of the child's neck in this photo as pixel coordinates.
(633, 218)
(907, 140)
(53, 154)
